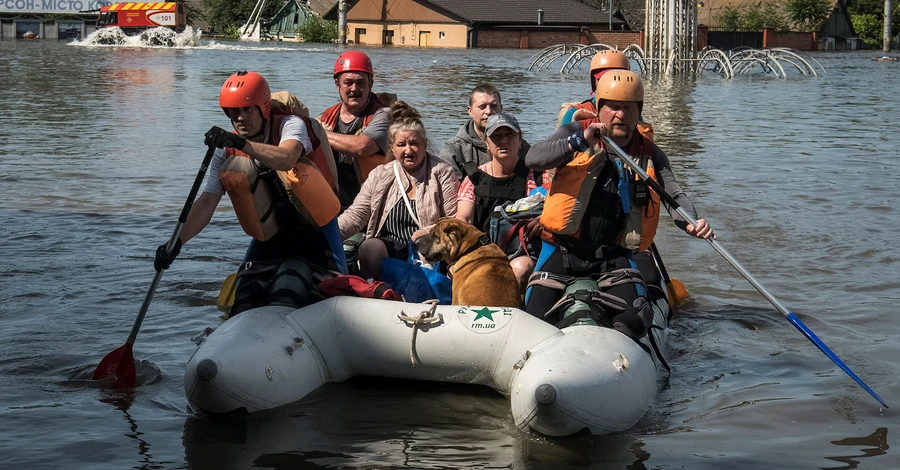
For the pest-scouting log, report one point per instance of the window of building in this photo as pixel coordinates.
(68, 31)
(388, 39)
(360, 35)
(440, 35)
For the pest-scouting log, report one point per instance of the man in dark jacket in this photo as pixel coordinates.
(469, 143)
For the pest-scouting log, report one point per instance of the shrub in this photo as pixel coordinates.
(316, 29)
(232, 32)
(808, 15)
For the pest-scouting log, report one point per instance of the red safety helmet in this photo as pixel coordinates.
(246, 89)
(353, 61)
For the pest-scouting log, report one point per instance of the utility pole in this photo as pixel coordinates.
(342, 21)
(886, 46)
(610, 15)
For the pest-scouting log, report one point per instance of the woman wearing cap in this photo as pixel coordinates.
(503, 179)
(399, 197)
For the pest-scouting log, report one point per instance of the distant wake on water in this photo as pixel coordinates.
(166, 38)
(155, 37)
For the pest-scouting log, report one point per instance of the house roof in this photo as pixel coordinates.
(631, 10)
(709, 10)
(322, 7)
(522, 11)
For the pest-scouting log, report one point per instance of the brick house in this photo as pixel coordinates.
(523, 24)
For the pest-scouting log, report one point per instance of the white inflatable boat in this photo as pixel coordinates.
(559, 381)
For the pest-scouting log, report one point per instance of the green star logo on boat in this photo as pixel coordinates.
(484, 312)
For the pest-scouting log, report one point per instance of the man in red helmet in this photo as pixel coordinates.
(273, 142)
(357, 126)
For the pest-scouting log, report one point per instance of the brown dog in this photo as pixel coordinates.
(481, 272)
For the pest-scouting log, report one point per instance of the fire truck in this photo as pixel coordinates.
(134, 17)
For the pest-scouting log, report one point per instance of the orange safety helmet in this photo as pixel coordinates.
(620, 85)
(246, 89)
(608, 59)
(353, 61)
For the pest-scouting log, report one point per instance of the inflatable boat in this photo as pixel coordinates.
(559, 382)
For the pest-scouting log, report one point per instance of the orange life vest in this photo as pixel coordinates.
(329, 119)
(573, 184)
(306, 186)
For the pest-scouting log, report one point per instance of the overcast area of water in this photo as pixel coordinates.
(99, 147)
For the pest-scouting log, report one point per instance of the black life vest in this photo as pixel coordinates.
(491, 191)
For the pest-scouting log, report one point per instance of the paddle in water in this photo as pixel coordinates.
(762, 290)
(117, 367)
(675, 288)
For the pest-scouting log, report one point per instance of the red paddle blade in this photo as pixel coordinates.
(118, 368)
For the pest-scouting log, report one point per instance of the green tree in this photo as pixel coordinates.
(775, 18)
(729, 18)
(867, 17)
(224, 13)
(752, 18)
(316, 29)
(808, 15)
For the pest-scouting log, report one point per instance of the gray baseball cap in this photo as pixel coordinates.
(499, 120)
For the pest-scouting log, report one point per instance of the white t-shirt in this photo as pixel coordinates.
(292, 128)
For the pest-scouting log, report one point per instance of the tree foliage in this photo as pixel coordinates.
(752, 17)
(808, 15)
(867, 17)
(220, 14)
(316, 29)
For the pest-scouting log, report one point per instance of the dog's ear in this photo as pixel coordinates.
(450, 230)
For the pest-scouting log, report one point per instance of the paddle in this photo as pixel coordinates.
(225, 300)
(118, 366)
(677, 292)
(762, 290)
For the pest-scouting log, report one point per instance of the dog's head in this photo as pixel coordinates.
(449, 239)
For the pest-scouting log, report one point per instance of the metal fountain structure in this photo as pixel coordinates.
(671, 49)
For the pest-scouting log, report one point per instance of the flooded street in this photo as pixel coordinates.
(98, 150)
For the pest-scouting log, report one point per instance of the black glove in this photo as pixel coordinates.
(163, 258)
(224, 139)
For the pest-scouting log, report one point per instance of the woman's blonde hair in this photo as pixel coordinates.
(404, 117)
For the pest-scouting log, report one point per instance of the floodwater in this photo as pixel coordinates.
(99, 147)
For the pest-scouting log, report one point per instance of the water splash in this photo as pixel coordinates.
(155, 37)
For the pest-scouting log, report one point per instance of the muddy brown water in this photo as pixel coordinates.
(99, 146)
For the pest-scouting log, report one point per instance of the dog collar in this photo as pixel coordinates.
(484, 240)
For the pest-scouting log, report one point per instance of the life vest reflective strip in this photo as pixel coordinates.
(362, 165)
(570, 194)
(306, 187)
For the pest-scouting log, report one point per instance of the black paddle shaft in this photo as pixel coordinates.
(175, 234)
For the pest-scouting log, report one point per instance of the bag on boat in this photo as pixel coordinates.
(600, 300)
(356, 286)
(278, 282)
(416, 282)
(509, 221)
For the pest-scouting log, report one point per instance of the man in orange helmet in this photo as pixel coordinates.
(273, 142)
(357, 126)
(598, 213)
(603, 61)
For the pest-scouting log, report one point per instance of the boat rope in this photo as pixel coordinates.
(424, 317)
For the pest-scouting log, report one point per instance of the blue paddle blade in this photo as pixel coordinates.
(831, 355)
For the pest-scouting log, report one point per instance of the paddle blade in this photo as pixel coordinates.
(831, 355)
(117, 368)
(226, 296)
(677, 292)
